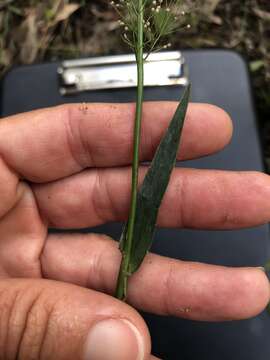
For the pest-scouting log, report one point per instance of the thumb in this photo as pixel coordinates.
(42, 319)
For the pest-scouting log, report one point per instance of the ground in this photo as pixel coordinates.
(31, 31)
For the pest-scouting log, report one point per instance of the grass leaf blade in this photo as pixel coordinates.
(155, 184)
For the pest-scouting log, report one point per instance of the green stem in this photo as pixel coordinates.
(121, 290)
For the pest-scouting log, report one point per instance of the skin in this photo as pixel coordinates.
(69, 167)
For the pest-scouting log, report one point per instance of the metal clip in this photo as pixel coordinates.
(113, 72)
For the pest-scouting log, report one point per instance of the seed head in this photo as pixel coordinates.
(161, 19)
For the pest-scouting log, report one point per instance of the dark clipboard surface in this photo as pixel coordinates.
(221, 78)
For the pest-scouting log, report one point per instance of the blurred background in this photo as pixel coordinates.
(34, 31)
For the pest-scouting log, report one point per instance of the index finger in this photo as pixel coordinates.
(53, 143)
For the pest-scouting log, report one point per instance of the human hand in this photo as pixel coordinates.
(69, 167)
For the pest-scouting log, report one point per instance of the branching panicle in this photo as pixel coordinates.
(161, 19)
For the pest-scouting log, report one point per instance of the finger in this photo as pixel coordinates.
(50, 320)
(162, 286)
(49, 144)
(232, 199)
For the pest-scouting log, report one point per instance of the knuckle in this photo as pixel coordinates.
(24, 319)
(97, 198)
(6, 303)
(168, 286)
(9, 189)
(77, 144)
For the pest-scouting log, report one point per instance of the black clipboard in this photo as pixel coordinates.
(221, 78)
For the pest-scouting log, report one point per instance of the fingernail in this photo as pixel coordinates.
(114, 339)
(266, 270)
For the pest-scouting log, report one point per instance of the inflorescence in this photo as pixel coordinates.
(161, 19)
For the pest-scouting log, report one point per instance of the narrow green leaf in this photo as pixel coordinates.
(154, 186)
